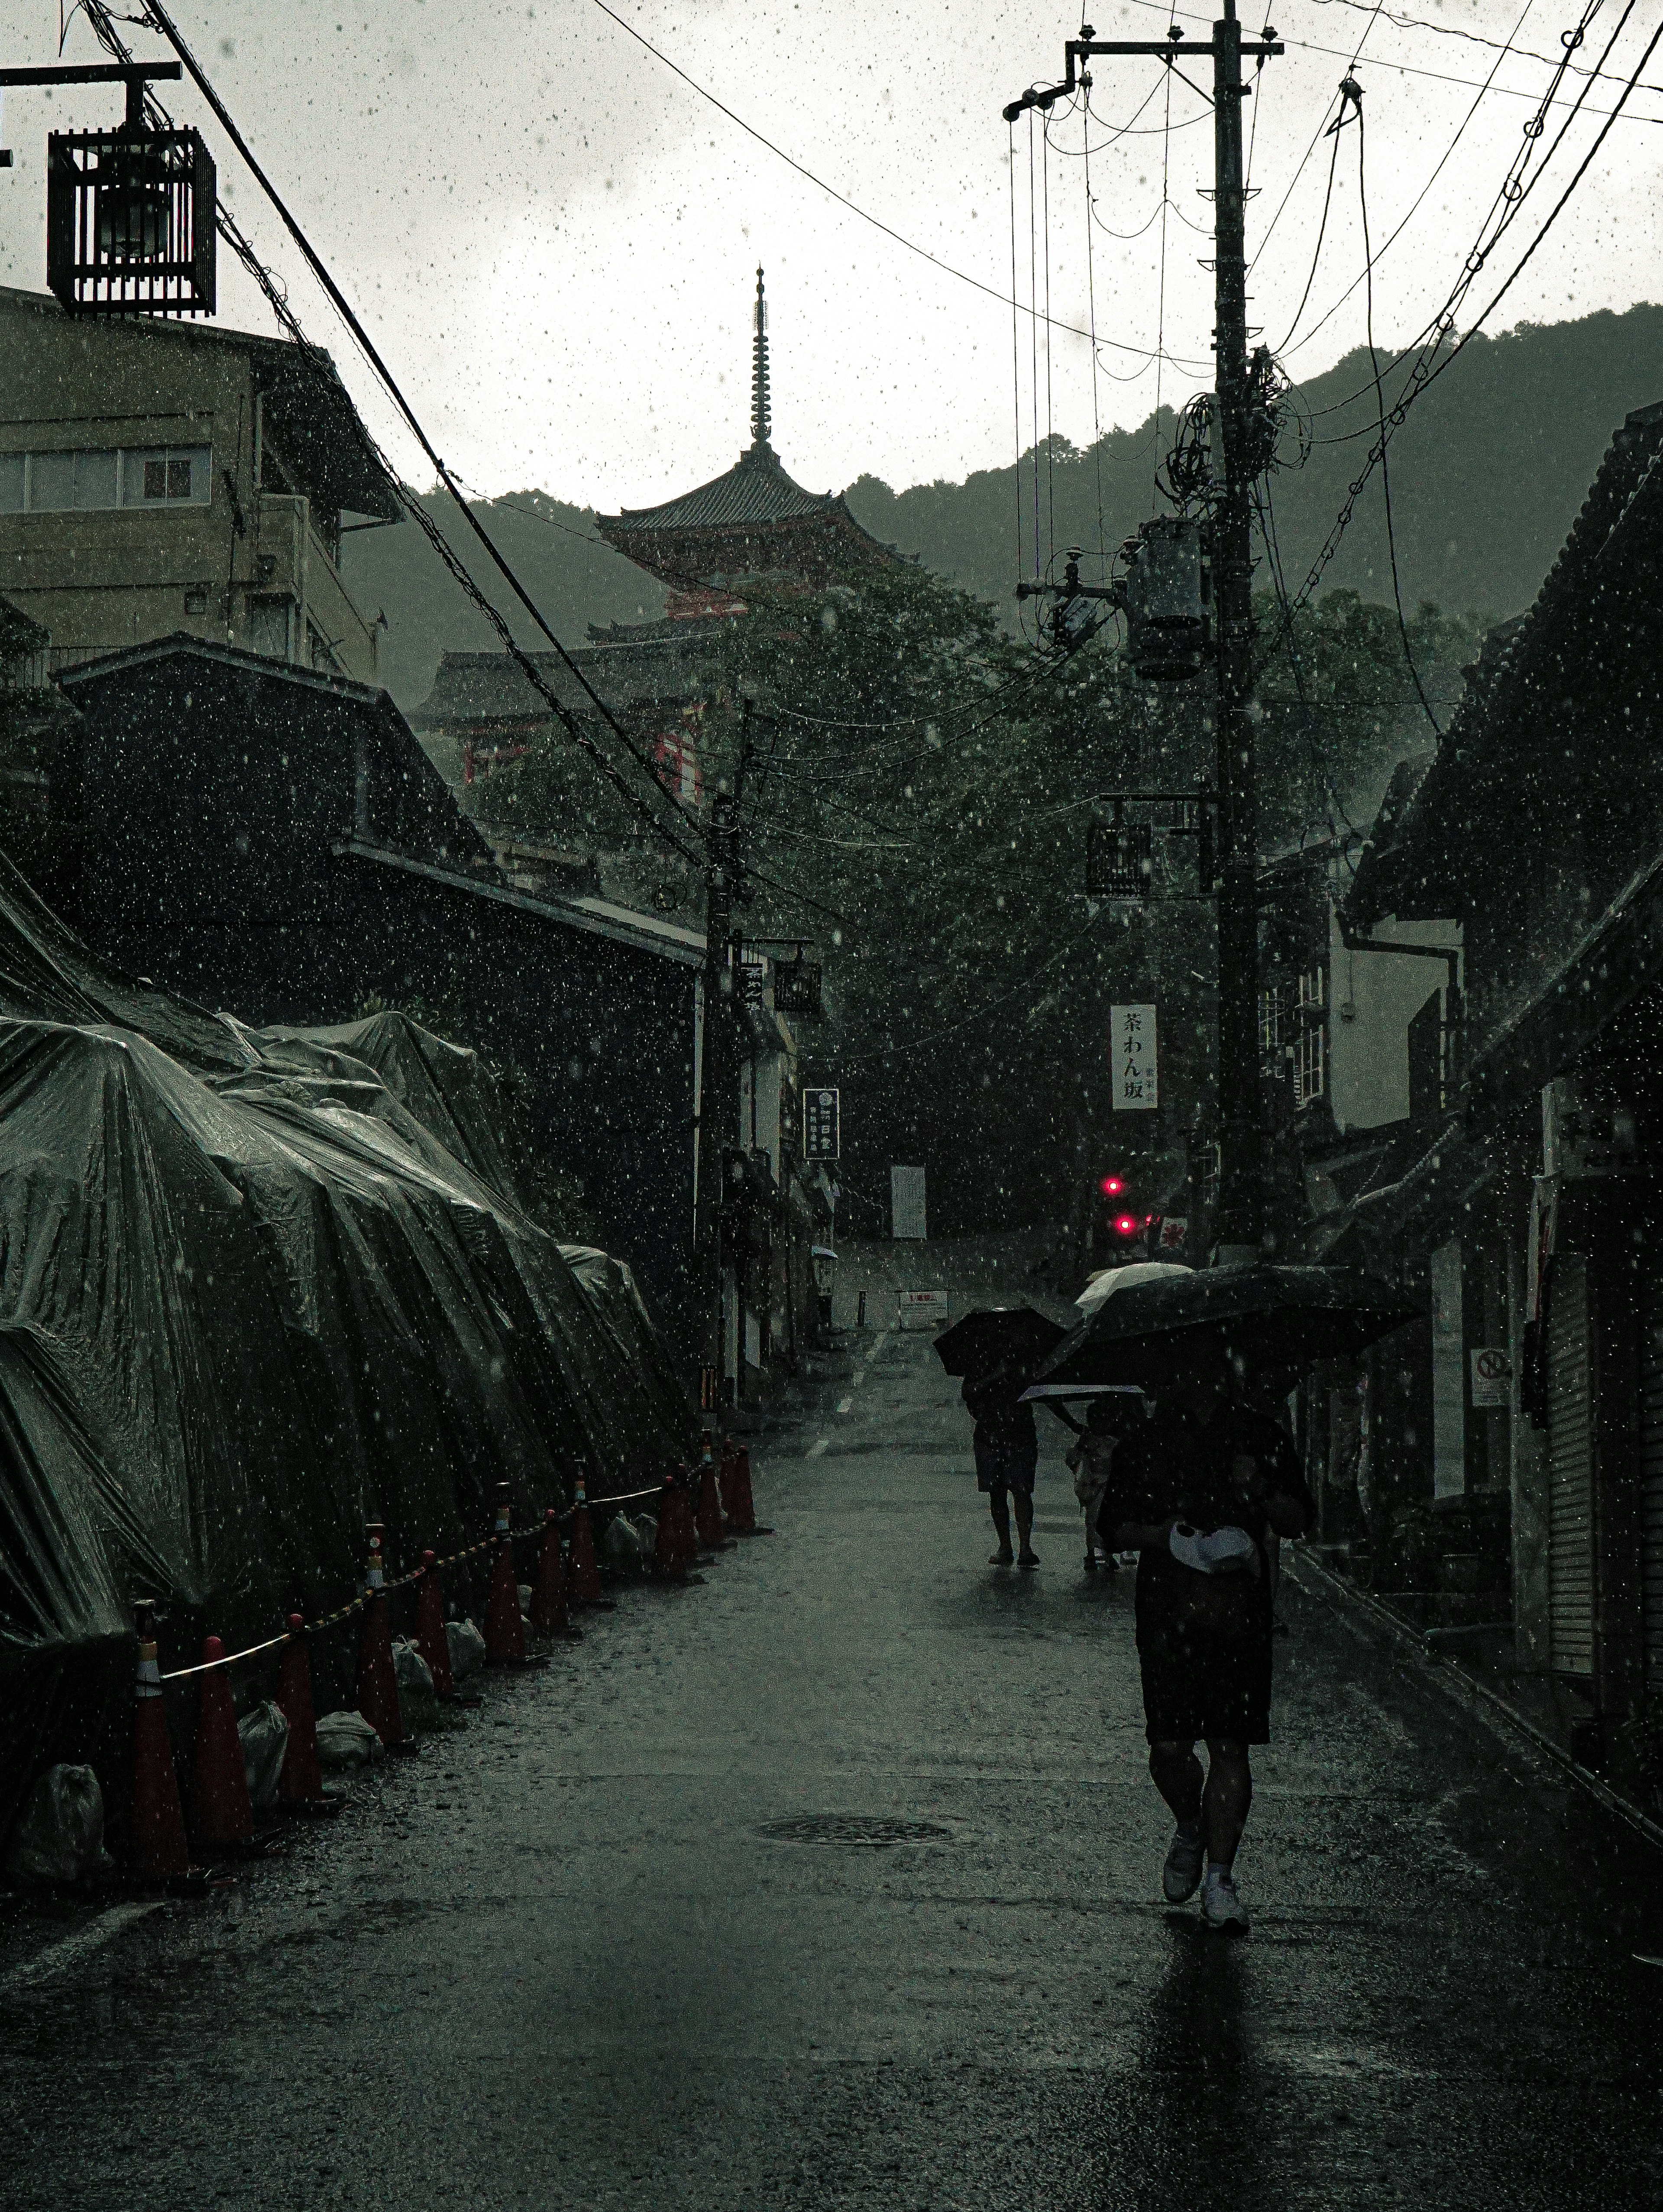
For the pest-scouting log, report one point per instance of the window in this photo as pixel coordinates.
(100, 478)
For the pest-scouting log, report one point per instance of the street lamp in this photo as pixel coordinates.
(129, 212)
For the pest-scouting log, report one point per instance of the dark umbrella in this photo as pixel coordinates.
(1019, 1334)
(1150, 1331)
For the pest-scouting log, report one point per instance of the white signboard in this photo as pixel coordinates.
(1135, 1080)
(1492, 1377)
(907, 1201)
(920, 1308)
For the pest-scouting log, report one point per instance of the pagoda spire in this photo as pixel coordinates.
(762, 420)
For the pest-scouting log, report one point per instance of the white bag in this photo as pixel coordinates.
(346, 1740)
(467, 1649)
(410, 1670)
(264, 1734)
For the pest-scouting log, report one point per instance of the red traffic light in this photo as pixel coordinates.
(1127, 1224)
(1111, 1186)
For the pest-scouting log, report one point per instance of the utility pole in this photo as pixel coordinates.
(718, 1105)
(1239, 1222)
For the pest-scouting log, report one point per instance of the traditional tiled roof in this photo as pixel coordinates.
(755, 489)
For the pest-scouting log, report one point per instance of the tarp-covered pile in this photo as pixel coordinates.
(256, 1288)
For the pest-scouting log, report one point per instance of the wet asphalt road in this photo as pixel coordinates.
(553, 1962)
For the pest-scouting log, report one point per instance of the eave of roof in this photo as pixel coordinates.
(755, 489)
(642, 932)
(1628, 483)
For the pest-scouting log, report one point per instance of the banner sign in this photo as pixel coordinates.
(822, 1135)
(1132, 1060)
(920, 1308)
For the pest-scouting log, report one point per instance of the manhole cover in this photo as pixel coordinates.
(851, 1828)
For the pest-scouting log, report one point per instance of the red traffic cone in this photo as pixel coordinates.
(431, 1640)
(504, 1625)
(669, 1555)
(378, 1684)
(158, 1848)
(584, 1585)
(220, 1810)
(742, 1515)
(549, 1610)
(707, 1512)
(301, 1781)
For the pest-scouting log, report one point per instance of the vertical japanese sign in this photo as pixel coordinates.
(907, 1202)
(1135, 1080)
(821, 1136)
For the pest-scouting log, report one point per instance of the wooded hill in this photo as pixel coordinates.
(1487, 473)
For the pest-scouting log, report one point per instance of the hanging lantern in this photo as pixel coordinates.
(130, 222)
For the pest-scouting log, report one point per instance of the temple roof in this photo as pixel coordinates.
(756, 489)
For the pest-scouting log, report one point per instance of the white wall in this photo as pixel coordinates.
(1372, 999)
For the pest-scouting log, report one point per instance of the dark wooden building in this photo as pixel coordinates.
(276, 843)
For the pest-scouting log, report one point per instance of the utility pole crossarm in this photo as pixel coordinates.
(1076, 51)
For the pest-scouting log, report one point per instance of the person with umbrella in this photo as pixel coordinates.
(1201, 1493)
(994, 1349)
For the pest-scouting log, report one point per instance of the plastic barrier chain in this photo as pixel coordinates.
(346, 1611)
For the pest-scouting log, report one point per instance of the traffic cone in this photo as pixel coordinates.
(742, 1515)
(431, 1640)
(220, 1810)
(549, 1610)
(301, 1781)
(378, 1684)
(708, 1516)
(159, 1851)
(584, 1584)
(504, 1625)
(669, 1554)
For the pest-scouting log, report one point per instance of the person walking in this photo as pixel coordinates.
(1090, 1459)
(1007, 1448)
(1199, 1493)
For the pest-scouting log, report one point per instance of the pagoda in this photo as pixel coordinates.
(754, 524)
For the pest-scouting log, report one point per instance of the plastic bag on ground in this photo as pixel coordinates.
(525, 1589)
(646, 1538)
(345, 1739)
(410, 1670)
(264, 1734)
(467, 1648)
(59, 1835)
(620, 1546)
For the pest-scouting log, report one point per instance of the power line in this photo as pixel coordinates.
(832, 192)
(159, 19)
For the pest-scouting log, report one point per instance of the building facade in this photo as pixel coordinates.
(160, 476)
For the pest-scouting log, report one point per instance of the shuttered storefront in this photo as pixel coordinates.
(1651, 1472)
(1570, 1469)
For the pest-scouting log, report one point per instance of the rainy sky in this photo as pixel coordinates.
(553, 237)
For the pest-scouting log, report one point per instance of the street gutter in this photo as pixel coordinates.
(1458, 1685)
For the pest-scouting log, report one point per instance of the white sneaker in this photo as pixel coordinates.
(1180, 1877)
(1220, 1906)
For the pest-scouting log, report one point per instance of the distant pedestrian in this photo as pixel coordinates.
(1007, 1453)
(1091, 1459)
(1200, 1493)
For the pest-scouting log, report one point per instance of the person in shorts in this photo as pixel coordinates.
(1200, 1493)
(1007, 1452)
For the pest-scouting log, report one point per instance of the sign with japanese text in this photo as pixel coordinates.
(822, 1136)
(1135, 1081)
(753, 981)
(920, 1308)
(1492, 1377)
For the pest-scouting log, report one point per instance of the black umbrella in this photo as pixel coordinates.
(1021, 1334)
(1150, 1331)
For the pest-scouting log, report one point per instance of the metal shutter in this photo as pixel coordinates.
(1651, 1472)
(1570, 1469)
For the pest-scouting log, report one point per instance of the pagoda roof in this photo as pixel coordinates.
(755, 489)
